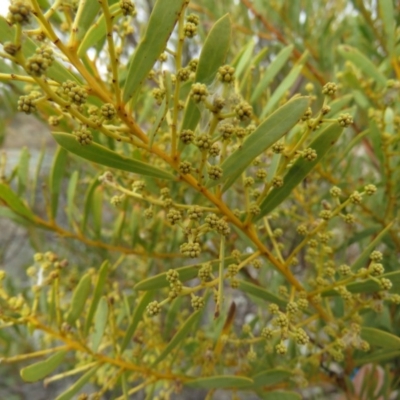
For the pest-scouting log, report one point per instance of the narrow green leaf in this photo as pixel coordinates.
(56, 176)
(137, 316)
(97, 31)
(362, 62)
(254, 64)
(280, 395)
(261, 293)
(179, 336)
(219, 382)
(280, 91)
(377, 357)
(369, 285)
(301, 168)
(215, 50)
(162, 20)
(14, 202)
(87, 208)
(97, 210)
(376, 139)
(118, 227)
(377, 337)
(73, 181)
(98, 291)
(78, 385)
(100, 323)
(387, 14)
(23, 171)
(101, 155)
(36, 174)
(212, 56)
(41, 369)
(270, 131)
(86, 14)
(81, 293)
(271, 377)
(273, 69)
(245, 59)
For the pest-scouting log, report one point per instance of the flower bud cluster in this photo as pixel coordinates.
(83, 136)
(37, 64)
(127, 7)
(19, 12)
(76, 94)
(226, 74)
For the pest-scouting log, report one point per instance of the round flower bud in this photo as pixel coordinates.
(329, 89)
(278, 148)
(199, 92)
(243, 111)
(195, 213)
(193, 64)
(197, 302)
(26, 104)
(19, 13)
(344, 270)
(205, 272)
(345, 120)
(376, 269)
(277, 182)
(214, 172)
(370, 189)
(356, 198)
(267, 333)
(183, 74)
(226, 74)
(83, 136)
(191, 250)
(385, 284)
(281, 349)
(108, 111)
(309, 154)
(187, 136)
(302, 230)
(376, 256)
(203, 142)
(174, 216)
(254, 209)
(222, 227)
(261, 174)
(172, 276)
(153, 308)
(189, 29)
(227, 130)
(301, 336)
(185, 167)
(127, 7)
(325, 214)
(193, 18)
(214, 150)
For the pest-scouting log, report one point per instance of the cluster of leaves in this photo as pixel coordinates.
(215, 171)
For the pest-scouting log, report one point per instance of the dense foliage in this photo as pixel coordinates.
(221, 209)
